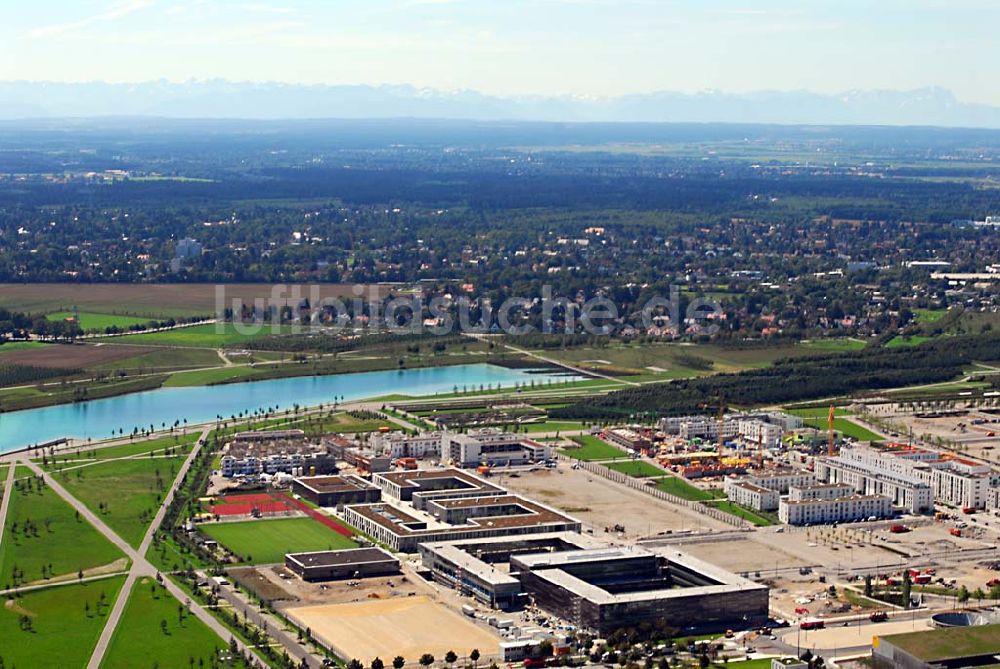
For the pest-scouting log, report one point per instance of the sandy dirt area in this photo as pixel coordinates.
(853, 635)
(407, 626)
(600, 503)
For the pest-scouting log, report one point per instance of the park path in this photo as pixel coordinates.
(7, 489)
(141, 567)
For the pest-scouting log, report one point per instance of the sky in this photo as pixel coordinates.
(592, 48)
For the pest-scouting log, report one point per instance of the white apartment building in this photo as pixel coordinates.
(820, 491)
(402, 445)
(782, 480)
(836, 510)
(765, 435)
(471, 450)
(914, 478)
(764, 430)
(750, 495)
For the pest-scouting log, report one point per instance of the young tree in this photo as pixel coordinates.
(474, 656)
(426, 660)
(377, 663)
(450, 657)
(398, 662)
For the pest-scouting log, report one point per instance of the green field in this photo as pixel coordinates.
(929, 315)
(179, 444)
(636, 468)
(834, 344)
(65, 624)
(90, 321)
(942, 644)
(552, 426)
(592, 448)
(130, 490)
(742, 512)
(165, 359)
(197, 336)
(142, 640)
(675, 486)
(267, 541)
(55, 539)
(206, 377)
(915, 340)
(844, 427)
(9, 346)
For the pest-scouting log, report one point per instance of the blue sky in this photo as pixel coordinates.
(515, 47)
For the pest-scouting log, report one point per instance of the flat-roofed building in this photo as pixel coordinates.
(834, 510)
(349, 563)
(336, 490)
(751, 495)
(952, 648)
(781, 479)
(489, 448)
(480, 568)
(820, 491)
(611, 588)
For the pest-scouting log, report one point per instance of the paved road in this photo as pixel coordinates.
(274, 627)
(140, 565)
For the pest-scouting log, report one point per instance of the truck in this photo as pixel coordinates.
(469, 610)
(898, 529)
(878, 616)
(812, 624)
(955, 532)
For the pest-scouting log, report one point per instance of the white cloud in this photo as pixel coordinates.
(117, 12)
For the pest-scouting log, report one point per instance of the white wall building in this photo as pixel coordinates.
(836, 510)
(751, 496)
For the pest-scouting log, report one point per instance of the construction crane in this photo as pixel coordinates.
(722, 411)
(829, 428)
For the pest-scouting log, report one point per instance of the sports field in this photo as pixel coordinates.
(407, 626)
(636, 468)
(267, 541)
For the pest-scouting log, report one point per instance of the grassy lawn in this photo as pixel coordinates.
(636, 468)
(746, 514)
(130, 490)
(675, 486)
(929, 315)
(142, 640)
(180, 444)
(9, 346)
(552, 426)
(206, 377)
(197, 336)
(90, 320)
(592, 448)
(762, 663)
(817, 412)
(915, 340)
(56, 540)
(65, 624)
(267, 541)
(845, 427)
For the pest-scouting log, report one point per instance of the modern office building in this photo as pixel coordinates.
(350, 563)
(336, 490)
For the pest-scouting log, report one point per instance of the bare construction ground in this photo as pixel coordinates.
(853, 635)
(744, 555)
(407, 626)
(601, 503)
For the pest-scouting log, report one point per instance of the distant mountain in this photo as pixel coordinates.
(225, 99)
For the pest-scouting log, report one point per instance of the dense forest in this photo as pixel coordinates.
(795, 379)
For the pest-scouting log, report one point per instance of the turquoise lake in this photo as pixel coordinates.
(98, 418)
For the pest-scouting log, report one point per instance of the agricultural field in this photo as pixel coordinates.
(44, 539)
(160, 300)
(156, 626)
(71, 356)
(123, 493)
(66, 622)
(164, 359)
(267, 541)
(834, 344)
(636, 468)
(205, 335)
(90, 321)
(10, 346)
(592, 448)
